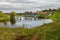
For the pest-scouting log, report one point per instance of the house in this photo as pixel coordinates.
(40, 12)
(32, 14)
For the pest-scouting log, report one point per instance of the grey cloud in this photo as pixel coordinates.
(20, 1)
(29, 5)
(48, 6)
(58, 1)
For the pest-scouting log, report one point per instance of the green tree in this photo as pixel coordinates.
(4, 18)
(12, 17)
(56, 15)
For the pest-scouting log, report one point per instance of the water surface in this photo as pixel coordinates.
(29, 23)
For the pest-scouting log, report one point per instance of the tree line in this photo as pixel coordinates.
(4, 18)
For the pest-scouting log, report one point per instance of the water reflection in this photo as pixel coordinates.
(28, 23)
(33, 23)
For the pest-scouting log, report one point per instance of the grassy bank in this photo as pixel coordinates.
(46, 32)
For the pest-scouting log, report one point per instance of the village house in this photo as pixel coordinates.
(40, 12)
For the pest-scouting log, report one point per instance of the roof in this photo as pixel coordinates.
(42, 12)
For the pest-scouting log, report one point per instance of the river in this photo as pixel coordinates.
(30, 23)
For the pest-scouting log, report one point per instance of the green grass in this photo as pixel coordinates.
(9, 33)
(46, 32)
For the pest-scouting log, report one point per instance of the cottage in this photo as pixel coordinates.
(40, 12)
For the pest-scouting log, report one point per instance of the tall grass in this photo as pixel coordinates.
(46, 32)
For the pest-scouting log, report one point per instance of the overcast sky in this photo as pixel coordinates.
(28, 5)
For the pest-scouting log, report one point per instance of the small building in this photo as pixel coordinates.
(40, 12)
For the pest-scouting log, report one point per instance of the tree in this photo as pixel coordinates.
(4, 18)
(12, 17)
(56, 15)
(50, 10)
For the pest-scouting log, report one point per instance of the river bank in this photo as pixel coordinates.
(47, 31)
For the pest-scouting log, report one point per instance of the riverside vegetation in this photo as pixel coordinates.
(49, 31)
